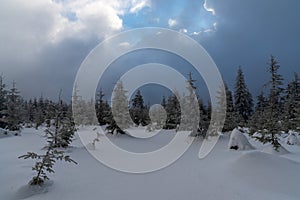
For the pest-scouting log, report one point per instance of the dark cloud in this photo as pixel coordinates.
(248, 32)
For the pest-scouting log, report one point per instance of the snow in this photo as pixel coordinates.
(280, 151)
(223, 174)
(239, 141)
(28, 191)
(8, 133)
(292, 139)
(268, 172)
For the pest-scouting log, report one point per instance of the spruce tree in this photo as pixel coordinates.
(3, 102)
(204, 119)
(120, 119)
(292, 105)
(62, 128)
(273, 111)
(173, 112)
(243, 101)
(102, 108)
(12, 119)
(163, 102)
(257, 120)
(225, 109)
(138, 110)
(39, 113)
(230, 120)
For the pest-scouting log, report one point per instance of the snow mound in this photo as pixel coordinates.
(27, 191)
(292, 139)
(270, 150)
(268, 172)
(238, 141)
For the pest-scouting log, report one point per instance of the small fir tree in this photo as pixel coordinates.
(3, 102)
(45, 162)
(12, 119)
(63, 127)
(243, 102)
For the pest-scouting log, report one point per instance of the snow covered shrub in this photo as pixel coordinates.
(238, 141)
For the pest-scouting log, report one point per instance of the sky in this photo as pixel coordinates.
(44, 42)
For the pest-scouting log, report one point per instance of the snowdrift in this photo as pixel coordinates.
(268, 172)
(270, 149)
(238, 141)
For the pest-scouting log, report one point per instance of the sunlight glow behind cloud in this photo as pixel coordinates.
(209, 9)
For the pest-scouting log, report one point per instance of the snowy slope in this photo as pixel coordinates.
(224, 174)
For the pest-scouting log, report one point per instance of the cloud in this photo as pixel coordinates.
(193, 15)
(247, 38)
(35, 23)
(139, 5)
(26, 27)
(37, 35)
(172, 23)
(124, 44)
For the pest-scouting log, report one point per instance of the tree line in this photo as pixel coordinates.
(277, 108)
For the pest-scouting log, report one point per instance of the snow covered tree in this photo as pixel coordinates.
(190, 116)
(158, 117)
(12, 118)
(292, 105)
(78, 108)
(120, 119)
(90, 117)
(243, 102)
(3, 102)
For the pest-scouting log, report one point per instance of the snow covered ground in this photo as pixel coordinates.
(223, 174)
